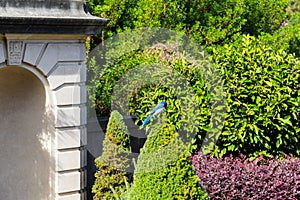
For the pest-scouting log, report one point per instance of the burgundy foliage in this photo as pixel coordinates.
(238, 178)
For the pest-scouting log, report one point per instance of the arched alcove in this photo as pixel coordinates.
(24, 136)
(46, 39)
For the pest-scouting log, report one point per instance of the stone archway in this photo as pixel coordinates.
(25, 157)
(59, 66)
(47, 38)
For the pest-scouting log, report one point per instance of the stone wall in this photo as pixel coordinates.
(57, 61)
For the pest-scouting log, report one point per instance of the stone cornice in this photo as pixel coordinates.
(52, 25)
(48, 17)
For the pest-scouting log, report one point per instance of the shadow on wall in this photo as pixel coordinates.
(24, 157)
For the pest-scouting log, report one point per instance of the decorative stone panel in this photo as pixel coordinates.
(15, 52)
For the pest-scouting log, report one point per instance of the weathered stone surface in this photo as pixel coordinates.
(76, 74)
(15, 51)
(71, 116)
(71, 138)
(68, 182)
(58, 8)
(48, 16)
(66, 77)
(70, 95)
(55, 53)
(83, 178)
(33, 52)
(69, 197)
(25, 157)
(46, 38)
(84, 157)
(69, 160)
(2, 53)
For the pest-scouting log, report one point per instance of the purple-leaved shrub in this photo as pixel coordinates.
(235, 177)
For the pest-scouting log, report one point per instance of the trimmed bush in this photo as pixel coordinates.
(109, 77)
(176, 181)
(164, 170)
(112, 165)
(177, 81)
(238, 178)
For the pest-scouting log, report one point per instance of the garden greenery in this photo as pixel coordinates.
(235, 177)
(164, 170)
(254, 44)
(263, 88)
(208, 22)
(262, 93)
(112, 164)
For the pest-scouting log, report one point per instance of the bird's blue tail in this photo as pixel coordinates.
(146, 120)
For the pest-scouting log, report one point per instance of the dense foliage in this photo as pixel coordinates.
(238, 178)
(172, 78)
(263, 89)
(287, 37)
(255, 45)
(208, 22)
(112, 164)
(164, 170)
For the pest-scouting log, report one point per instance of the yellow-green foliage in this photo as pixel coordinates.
(164, 170)
(263, 98)
(112, 165)
(208, 22)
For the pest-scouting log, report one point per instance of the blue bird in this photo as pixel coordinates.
(155, 111)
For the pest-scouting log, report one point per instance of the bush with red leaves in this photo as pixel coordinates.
(238, 178)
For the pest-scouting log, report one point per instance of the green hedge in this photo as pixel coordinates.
(112, 164)
(164, 170)
(287, 37)
(263, 98)
(262, 88)
(261, 85)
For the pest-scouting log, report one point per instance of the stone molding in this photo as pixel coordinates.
(61, 63)
(48, 16)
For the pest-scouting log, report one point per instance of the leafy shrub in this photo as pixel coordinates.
(111, 74)
(286, 38)
(264, 16)
(261, 84)
(262, 87)
(164, 170)
(293, 8)
(173, 79)
(208, 22)
(112, 164)
(238, 178)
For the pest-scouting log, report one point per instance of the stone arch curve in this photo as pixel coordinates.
(25, 136)
(58, 64)
(50, 99)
